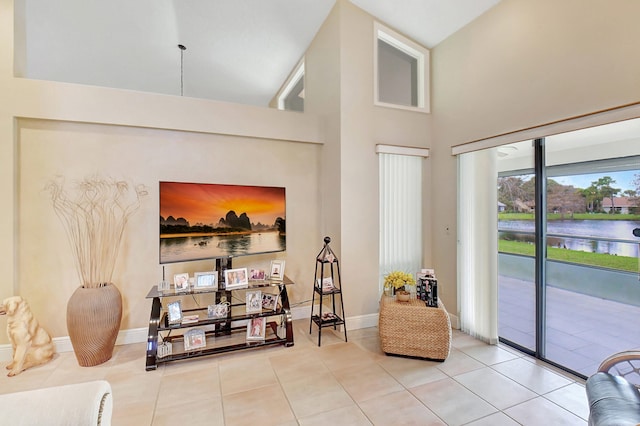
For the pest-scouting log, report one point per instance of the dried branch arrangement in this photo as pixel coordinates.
(94, 221)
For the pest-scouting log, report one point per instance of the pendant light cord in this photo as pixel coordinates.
(182, 49)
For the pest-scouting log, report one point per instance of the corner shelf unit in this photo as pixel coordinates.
(221, 334)
(327, 268)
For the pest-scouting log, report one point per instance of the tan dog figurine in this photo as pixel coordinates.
(31, 344)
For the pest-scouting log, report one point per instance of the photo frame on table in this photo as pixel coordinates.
(236, 278)
(194, 339)
(257, 275)
(164, 285)
(269, 301)
(205, 280)
(253, 301)
(256, 328)
(277, 270)
(174, 312)
(181, 282)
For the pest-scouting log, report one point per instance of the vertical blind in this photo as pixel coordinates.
(478, 245)
(400, 213)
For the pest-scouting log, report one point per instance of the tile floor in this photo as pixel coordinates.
(339, 383)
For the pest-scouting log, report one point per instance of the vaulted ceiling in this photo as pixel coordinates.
(236, 50)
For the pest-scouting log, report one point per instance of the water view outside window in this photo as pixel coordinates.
(590, 218)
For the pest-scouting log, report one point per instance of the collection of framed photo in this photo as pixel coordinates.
(233, 278)
(256, 302)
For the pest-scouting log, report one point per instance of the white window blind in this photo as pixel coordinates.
(400, 214)
(478, 245)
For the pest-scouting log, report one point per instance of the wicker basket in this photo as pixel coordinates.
(413, 329)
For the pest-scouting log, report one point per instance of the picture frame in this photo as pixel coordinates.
(205, 280)
(164, 285)
(236, 278)
(253, 301)
(277, 270)
(219, 310)
(174, 312)
(181, 282)
(270, 301)
(326, 285)
(194, 339)
(256, 328)
(164, 349)
(257, 274)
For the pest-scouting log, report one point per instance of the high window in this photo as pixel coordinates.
(291, 97)
(401, 78)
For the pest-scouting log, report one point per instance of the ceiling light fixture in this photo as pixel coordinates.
(182, 49)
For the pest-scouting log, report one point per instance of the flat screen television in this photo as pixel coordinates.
(201, 221)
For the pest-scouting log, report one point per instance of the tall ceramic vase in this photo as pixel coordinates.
(93, 322)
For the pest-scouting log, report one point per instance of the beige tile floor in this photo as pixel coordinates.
(339, 383)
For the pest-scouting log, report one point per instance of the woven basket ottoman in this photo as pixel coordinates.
(413, 329)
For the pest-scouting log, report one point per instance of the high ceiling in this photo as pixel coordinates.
(237, 50)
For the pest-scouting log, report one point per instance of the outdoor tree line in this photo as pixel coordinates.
(517, 194)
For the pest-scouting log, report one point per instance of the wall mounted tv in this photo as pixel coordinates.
(210, 221)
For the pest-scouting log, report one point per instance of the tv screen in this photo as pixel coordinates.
(207, 221)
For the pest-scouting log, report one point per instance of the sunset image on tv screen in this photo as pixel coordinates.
(203, 221)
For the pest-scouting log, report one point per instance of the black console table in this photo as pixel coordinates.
(222, 334)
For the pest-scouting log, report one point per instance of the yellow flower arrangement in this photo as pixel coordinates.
(398, 279)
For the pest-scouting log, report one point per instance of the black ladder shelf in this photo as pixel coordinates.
(327, 284)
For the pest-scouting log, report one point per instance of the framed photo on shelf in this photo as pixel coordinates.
(257, 274)
(277, 270)
(254, 301)
(174, 312)
(219, 310)
(205, 281)
(194, 339)
(326, 284)
(256, 328)
(269, 301)
(236, 278)
(164, 349)
(181, 282)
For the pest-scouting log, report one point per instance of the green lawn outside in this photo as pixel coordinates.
(575, 216)
(621, 263)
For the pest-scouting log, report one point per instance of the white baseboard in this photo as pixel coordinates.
(139, 335)
(455, 321)
(63, 344)
(353, 323)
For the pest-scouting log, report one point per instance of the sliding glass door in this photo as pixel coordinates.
(592, 295)
(568, 268)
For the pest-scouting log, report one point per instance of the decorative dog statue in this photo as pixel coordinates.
(31, 344)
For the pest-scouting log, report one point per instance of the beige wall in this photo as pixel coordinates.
(74, 150)
(523, 64)
(49, 128)
(329, 168)
(339, 87)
